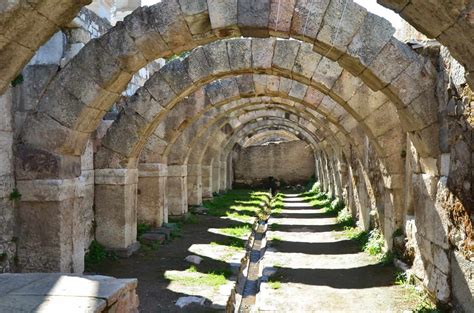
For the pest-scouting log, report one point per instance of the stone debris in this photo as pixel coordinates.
(194, 259)
(199, 210)
(185, 301)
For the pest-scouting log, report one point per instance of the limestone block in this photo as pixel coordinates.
(240, 54)
(400, 56)
(462, 281)
(382, 119)
(170, 22)
(298, 90)
(177, 170)
(105, 70)
(445, 162)
(47, 132)
(152, 170)
(223, 15)
(326, 73)
(253, 17)
(245, 84)
(281, 13)
(143, 31)
(221, 90)
(196, 15)
(346, 86)
(285, 54)
(161, 91)
(342, 20)
(313, 96)
(121, 46)
(306, 61)
(131, 127)
(372, 36)
(177, 195)
(116, 176)
(145, 104)
(307, 18)
(197, 65)
(262, 53)
(217, 57)
(116, 215)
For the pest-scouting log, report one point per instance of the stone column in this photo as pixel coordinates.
(176, 190)
(46, 226)
(206, 179)
(230, 172)
(216, 173)
(194, 184)
(152, 206)
(223, 177)
(116, 209)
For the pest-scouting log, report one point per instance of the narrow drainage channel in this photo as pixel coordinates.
(244, 295)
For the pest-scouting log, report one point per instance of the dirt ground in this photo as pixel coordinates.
(318, 270)
(156, 293)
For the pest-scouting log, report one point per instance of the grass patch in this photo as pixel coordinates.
(192, 277)
(358, 235)
(191, 219)
(241, 203)
(237, 231)
(275, 227)
(276, 241)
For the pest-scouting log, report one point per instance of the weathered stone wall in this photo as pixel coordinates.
(290, 162)
(7, 185)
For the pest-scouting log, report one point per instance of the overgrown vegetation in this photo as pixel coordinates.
(142, 228)
(15, 195)
(18, 80)
(423, 304)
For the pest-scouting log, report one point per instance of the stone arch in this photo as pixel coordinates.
(381, 62)
(25, 27)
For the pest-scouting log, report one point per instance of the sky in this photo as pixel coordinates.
(370, 5)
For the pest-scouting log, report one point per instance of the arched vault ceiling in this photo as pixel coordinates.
(79, 96)
(25, 26)
(267, 136)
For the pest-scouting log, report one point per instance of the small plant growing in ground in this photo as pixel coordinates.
(345, 219)
(191, 219)
(375, 247)
(423, 304)
(142, 228)
(96, 255)
(238, 231)
(15, 195)
(358, 235)
(274, 284)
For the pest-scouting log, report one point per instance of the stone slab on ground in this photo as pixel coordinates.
(185, 301)
(126, 252)
(54, 292)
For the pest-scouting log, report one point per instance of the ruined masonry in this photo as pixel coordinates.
(114, 114)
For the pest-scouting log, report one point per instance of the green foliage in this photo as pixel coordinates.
(96, 255)
(18, 80)
(375, 244)
(237, 231)
(345, 219)
(15, 195)
(358, 235)
(142, 228)
(274, 284)
(177, 56)
(197, 279)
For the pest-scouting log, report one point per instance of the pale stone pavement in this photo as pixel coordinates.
(322, 271)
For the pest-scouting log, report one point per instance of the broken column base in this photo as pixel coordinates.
(125, 252)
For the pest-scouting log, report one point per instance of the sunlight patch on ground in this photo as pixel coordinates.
(303, 221)
(218, 252)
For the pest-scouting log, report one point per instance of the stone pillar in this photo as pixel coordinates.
(206, 179)
(176, 190)
(194, 184)
(152, 206)
(223, 177)
(46, 226)
(230, 172)
(116, 209)
(216, 173)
